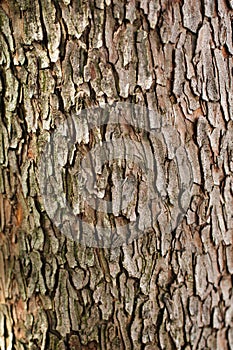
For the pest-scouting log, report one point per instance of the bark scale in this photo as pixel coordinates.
(58, 57)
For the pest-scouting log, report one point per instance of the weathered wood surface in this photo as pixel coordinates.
(57, 57)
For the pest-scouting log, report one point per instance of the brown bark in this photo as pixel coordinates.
(174, 57)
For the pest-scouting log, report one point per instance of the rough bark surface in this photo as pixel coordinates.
(160, 292)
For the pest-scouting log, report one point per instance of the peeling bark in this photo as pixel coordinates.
(163, 290)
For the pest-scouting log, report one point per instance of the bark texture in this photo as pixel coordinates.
(163, 291)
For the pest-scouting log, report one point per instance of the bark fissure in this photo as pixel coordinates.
(165, 290)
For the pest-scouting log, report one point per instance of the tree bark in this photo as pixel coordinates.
(164, 290)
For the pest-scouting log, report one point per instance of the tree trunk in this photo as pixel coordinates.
(165, 289)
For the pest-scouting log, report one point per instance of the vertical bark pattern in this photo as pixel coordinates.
(162, 291)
